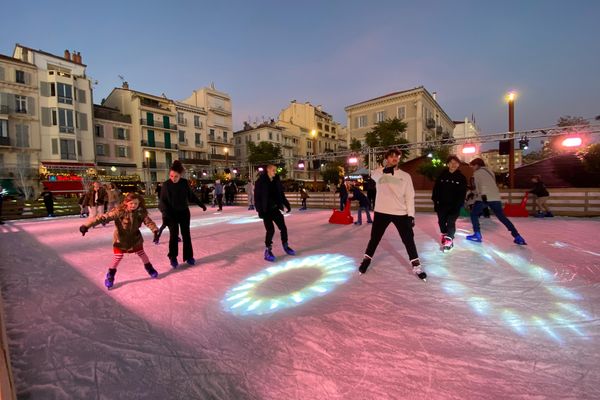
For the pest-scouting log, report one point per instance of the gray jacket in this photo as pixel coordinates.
(485, 185)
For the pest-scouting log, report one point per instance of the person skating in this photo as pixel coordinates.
(270, 200)
(218, 193)
(303, 195)
(175, 196)
(48, 201)
(127, 238)
(448, 197)
(343, 195)
(250, 193)
(487, 194)
(94, 200)
(395, 203)
(363, 204)
(541, 197)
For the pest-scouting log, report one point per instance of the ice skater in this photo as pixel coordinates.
(48, 198)
(270, 200)
(250, 193)
(363, 204)
(129, 217)
(303, 195)
(94, 200)
(343, 195)
(448, 197)
(541, 197)
(487, 194)
(395, 203)
(175, 196)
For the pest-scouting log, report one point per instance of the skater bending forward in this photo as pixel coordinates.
(487, 194)
(395, 203)
(269, 200)
(129, 217)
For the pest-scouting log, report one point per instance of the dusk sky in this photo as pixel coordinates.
(333, 53)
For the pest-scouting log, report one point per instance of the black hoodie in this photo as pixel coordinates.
(449, 190)
(269, 195)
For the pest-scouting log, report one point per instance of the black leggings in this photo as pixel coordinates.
(447, 221)
(277, 217)
(404, 226)
(180, 219)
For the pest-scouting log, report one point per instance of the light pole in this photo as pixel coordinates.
(226, 157)
(313, 133)
(511, 128)
(147, 157)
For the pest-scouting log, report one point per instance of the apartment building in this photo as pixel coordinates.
(499, 163)
(20, 145)
(425, 118)
(113, 142)
(193, 147)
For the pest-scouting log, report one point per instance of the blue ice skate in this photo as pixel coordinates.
(475, 237)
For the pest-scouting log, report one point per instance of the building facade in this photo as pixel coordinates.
(20, 145)
(499, 163)
(425, 118)
(465, 129)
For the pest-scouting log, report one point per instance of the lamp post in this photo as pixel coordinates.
(313, 133)
(147, 157)
(511, 128)
(226, 156)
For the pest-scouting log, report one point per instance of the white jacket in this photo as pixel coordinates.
(395, 193)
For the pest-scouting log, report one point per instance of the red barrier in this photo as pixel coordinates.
(517, 210)
(342, 217)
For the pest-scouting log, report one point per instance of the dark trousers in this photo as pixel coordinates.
(220, 201)
(49, 207)
(343, 200)
(496, 207)
(303, 203)
(371, 196)
(447, 220)
(403, 225)
(180, 220)
(274, 216)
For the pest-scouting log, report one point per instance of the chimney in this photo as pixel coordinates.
(125, 85)
(67, 55)
(434, 94)
(79, 58)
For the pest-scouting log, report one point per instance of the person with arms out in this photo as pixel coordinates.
(541, 197)
(363, 204)
(448, 197)
(395, 203)
(175, 196)
(270, 200)
(127, 238)
(487, 194)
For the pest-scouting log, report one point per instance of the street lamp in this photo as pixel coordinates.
(511, 128)
(147, 157)
(226, 156)
(313, 133)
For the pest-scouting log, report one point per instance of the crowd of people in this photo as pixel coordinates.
(389, 193)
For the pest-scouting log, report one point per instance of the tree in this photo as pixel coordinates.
(590, 157)
(388, 133)
(355, 145)
(333, 172)
(264, 152)
(433, 167)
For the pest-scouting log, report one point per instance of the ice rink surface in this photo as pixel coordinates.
(493, 321)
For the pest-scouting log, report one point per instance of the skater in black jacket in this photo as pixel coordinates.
(448, 197)
(175, 196)
(270, 200)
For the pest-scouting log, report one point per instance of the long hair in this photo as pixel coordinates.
(133, 196)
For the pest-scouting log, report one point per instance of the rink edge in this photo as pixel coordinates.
(7, 387)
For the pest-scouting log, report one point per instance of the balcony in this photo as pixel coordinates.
(4, 110)
(159, 145)
(4, 141)
(218, 139)
(221, 157)
(199, 143)
(144, 102)
(430, 123)
(219, 110)
(439, 130)
(198, 125)
(182, 121)
(158, 124)
(183, 142)
(154, 165)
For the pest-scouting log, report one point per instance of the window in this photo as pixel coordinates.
(401, 112)
(333, 129)
(65, 120)
(270, 135)
(21, 104)
(380, 116)
(319, 125)
(198, 138)
(22, 133)
(278, 137)
(65, 93)
(121, 151)
(181, 136)
(258, 137)
(361, 121)
(99, 130)
(212, 133)
(197, 122)
(180, 118)
(20, 77)
(225, 136)
(52, 89)
(67, 149)
(213, 150)
(121, 134)
(100, 150)
(4, 132)
(238, 140)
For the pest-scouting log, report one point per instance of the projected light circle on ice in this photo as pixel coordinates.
(244, 299)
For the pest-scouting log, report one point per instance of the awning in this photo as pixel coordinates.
(64, 187)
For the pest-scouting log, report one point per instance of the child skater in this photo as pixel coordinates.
(127, 238)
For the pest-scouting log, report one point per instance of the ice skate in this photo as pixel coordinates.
(447, 244)
(475, 237)
(519, 240)
(151, 271)
(190, 261)
(173, 261)
(110, 278)
(269, 254)
(364, 264)
(418, 270)
(288, 250)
